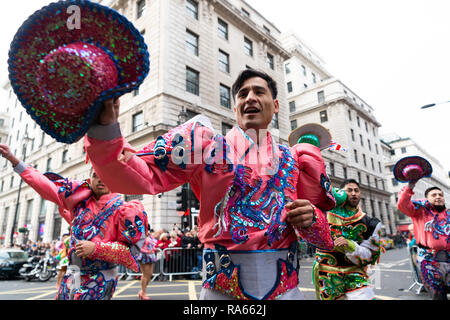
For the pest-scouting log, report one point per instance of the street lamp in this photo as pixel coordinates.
(24, 151)
(182, 116)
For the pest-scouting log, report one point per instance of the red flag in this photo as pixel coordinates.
(186, 214)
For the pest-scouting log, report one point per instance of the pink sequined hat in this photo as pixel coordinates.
(68, 58)
(412, 169)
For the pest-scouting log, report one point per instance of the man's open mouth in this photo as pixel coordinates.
(250, 110)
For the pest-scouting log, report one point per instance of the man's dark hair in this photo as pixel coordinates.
(252, 73)
(431, 189)
(347, 181)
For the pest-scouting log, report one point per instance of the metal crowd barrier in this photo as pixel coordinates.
(125, 273)
(172, 262)
(181, 261)
(414, 268)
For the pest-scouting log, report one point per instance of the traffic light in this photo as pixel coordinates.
(182, 199)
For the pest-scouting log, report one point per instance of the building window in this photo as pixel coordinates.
(289, 86)
(323, 116)
(345, 173)
(224, 61)
(313, 77)
(293, 124)
(222, 29)
(349, 115)
(29, 211)
(370, 145)
(11, 182)
(248, 47)
(43, 209)
(373, 164)
(245, 12)
(355, 152)
(352, 132)
(192, 8)
(357, 121)
(192, 42)
(226, 128)
(225, 100)
(270, 62)
(287, 68)
(394, 182)
(304, 70)
(192, 81)
(305, 85)
(267, 30)
(364, 160)
(2, 186)
(332, 169)
(138, 121)
(403, 150)
(376, 148)
(321, 96)
(292, 106)
(359, 177)
(367, 128)
(361, 140)
(49, 164)
(42, 139)
(64, 156)
(140, 8)
(363, 205)
(275, 121)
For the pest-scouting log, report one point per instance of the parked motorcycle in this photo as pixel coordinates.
(48, 269)
(30, 269)
(40, 268)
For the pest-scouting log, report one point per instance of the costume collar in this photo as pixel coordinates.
(347, 216)
(245, 147)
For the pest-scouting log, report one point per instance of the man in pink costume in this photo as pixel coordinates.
(104, 230)
(256, 196)
(431, 222)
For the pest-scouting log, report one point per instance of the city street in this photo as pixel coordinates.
(391, 280)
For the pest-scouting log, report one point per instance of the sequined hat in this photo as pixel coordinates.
(412, 169)
(68, 58)
(312, 133)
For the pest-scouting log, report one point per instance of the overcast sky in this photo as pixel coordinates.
(394, 54)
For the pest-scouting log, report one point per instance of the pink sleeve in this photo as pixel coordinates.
(115, 252)
(65, 193)
(404, 202)
(318, 234)
(313, 183)
(132, 223)
(146, 173)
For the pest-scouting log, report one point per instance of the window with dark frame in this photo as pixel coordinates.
(321, 96)
(248, 47)
(192, 42)
(138, 121)
(140, 8)
(289, 86)
(323, 116)
(192, 8)
(192, 81)
(225, 96)
(292, 106)
(275, 121)
(294, 124)
(222, 29)
(224, 61)
(270, 61)
(226, 128)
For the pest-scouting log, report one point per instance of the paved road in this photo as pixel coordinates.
(394, 278)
